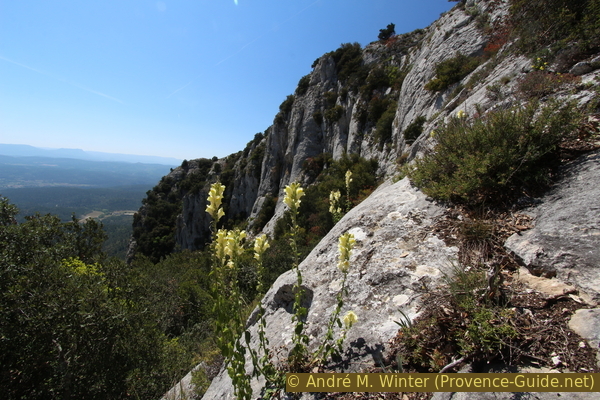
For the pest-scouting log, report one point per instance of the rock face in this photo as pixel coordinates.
(332, 111)
(396, 259)
(564, 242)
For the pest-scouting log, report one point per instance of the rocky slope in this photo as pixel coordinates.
(355, 101)
(367, 101)
(377, 102)
(399, 260)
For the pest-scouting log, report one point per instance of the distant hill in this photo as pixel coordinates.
(22, 150)
(37, 171)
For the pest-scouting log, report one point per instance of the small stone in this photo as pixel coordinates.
(581, 68)
(556, 361)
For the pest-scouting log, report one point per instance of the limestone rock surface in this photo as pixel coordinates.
(395, 261)
(566, 237)
(586, 323)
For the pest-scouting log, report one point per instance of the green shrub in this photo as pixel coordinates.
(414, 130)
(330, 99)
(464, 321)
(377, 106)
(284, 109)
(286, 106)
(334, 114)
(495, 156)
(383, 130)
(303, 85)
(75, 325)
(388, 32)
(539, 23)
(378, 79)
(451, 71)
(318, 117)
(349, 65)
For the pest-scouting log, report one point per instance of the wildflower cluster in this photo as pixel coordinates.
(261, 244)
(293, 194)
(348, 181)
(215, 197)
(350, 319)
(227, 247)
(539, 64)
(220, 245)
(334, 205)
(233, 339)
(234, 247)
(348, 178)
(345, 244)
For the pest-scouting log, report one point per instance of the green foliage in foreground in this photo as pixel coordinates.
(74, 325)
(494, 156)
(474, 323)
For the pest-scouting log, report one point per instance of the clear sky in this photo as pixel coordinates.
(172, 78)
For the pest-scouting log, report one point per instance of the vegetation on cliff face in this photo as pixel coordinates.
(496, 157)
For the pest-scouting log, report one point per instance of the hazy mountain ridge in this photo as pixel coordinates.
(21, 150)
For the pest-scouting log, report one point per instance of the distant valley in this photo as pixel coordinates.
(24, 172)
(109, 191)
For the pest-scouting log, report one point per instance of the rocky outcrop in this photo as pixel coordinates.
(564, 241)
(396, 260)
(331, 110)
(328, 112)
(563, 249)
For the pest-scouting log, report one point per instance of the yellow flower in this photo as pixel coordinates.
(461, 114)
(220, 245)
(350, 319)
(261, 244)
(293, 193)
(432, 133)
(345, 244)
(215, 196)
(334, 202)
(234, 246)
(348, 178)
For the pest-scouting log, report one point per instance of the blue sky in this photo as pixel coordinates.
(180, 78)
